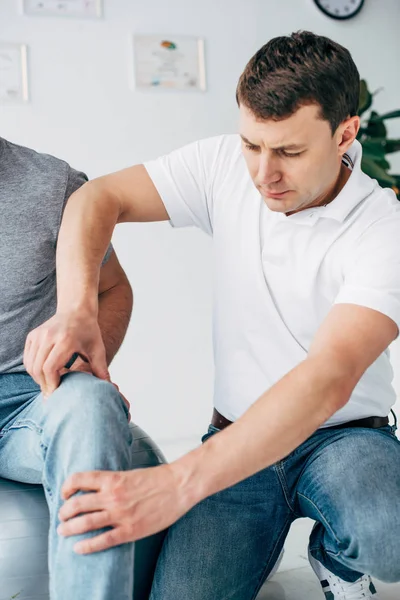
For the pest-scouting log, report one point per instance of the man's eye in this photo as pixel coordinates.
(291, 154)
(251, 147)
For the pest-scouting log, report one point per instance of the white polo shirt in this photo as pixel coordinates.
(277, 277)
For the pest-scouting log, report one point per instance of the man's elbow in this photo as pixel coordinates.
(344, 390)
(125, 292)
(121, 294)
(337, 377)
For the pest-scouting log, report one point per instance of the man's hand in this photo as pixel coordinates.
(135, 504)
(49, 347)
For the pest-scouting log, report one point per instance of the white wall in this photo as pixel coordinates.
(83, 108)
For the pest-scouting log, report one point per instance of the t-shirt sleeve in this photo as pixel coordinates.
(184, 180)
(75, 180)
(372, 273)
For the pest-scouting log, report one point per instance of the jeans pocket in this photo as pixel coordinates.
(211, 431)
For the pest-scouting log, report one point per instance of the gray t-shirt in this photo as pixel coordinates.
(34, 189)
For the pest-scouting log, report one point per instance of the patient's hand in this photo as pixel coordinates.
(49, 347)
(78, 365)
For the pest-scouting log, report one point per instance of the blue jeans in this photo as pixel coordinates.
(347, 480)
(82, 426)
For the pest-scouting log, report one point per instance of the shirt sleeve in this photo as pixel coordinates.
(184, 180)
(372, 273)
(75, 180)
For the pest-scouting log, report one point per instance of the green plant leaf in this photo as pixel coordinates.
(383, 163)
(392, 146)
(373, 138)
(374, 149)
(365, 98)
(390, 115)
(371, 168)
(375, 129)
(379, 145)
(379, 142)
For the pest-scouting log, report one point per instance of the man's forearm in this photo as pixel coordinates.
(86, 229)
(281, 419)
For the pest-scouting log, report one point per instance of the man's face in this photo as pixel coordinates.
(293, 162)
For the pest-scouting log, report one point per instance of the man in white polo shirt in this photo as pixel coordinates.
(307, 301)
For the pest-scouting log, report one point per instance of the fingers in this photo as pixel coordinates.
(82, 365)
(130, 505)
(98, 363)
(89, 481)
(49, 347)
(44, 360)
(52, 369)
(84, 524)
(44, 373)
(113, 537)
(37, 355)
(82, 503)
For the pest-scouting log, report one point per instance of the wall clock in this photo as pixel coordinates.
(340, 9)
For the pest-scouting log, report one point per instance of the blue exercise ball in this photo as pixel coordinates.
(24, 525)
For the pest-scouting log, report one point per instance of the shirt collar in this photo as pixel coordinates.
(356, 189)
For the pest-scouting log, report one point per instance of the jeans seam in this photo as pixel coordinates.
(25, 423)
(46, 486)
(282, 480)
(324, 520)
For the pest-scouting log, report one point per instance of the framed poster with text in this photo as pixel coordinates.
(64, 8)
(169, 62)
(13, 73)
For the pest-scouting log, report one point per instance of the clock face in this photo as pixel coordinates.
(340, 9)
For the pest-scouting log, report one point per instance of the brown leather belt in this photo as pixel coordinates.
(220, 422)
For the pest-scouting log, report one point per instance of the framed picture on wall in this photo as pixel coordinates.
(167, 62)
(13, 73)
(64, 8)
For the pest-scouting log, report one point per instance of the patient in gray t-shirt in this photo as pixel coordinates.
(33, 191)
(84, 423)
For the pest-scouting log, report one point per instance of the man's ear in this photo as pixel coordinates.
(347, 133)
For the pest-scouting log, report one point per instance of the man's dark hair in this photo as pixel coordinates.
(293, 71)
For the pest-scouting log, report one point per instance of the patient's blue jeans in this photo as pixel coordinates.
(82, 426)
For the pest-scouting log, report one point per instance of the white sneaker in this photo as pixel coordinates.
(335, 588)
(276, 565)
